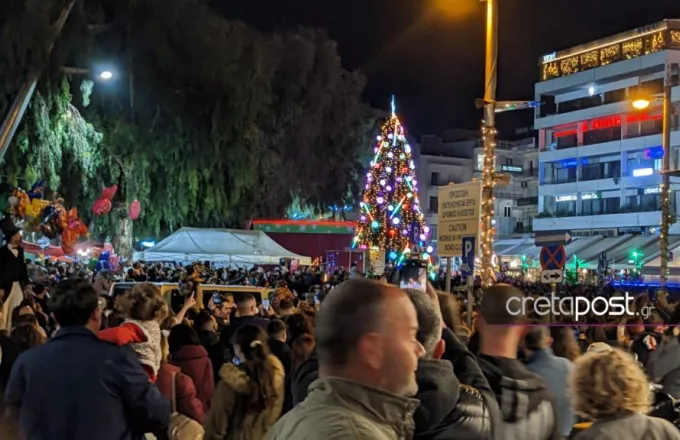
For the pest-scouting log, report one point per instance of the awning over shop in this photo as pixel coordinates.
(619, 250)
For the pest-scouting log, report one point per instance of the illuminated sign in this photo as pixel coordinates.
(609, 122)
(511, 168)
(574, 197)
(550, 57)
(643, 172)
(632, 44)
(654, 190)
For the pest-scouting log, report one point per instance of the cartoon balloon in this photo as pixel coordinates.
(37, 190)
(35, 208)
(72, 231)
(135, 210)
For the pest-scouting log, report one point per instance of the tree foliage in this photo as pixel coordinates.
(228, 123)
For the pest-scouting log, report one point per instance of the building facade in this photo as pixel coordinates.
(516, 204)
(456, 157)
(600, 158)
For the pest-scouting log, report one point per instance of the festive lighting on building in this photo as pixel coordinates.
(391, 217)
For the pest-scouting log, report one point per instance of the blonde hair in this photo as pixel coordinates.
(608, 384)
(144, 303)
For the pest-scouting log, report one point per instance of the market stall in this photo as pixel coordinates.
(233, 246)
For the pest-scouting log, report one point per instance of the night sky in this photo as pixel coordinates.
(431, 53)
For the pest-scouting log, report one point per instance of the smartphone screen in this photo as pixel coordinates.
(413, 276)
(216, 298)
(265, 303)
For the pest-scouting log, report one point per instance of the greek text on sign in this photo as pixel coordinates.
(459, 216)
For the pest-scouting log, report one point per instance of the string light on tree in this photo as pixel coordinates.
(390, 217)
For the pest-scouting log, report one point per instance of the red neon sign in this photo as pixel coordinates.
(608, 122)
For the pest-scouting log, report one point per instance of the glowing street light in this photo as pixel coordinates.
(106, 75)
(641, 104)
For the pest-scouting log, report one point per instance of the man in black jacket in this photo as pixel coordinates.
(455, 398)
(456, 401)
(13, 271)
(79, 387)
(526, 405)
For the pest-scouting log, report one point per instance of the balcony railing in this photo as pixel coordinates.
(622, 210)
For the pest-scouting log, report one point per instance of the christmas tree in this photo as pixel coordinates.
(390, 218)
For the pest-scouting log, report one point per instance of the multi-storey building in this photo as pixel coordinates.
(456, 157)
(600, 157)
(516, 204)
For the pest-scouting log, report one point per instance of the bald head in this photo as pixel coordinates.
(350, 311)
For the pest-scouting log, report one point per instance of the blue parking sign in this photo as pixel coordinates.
(468, 266)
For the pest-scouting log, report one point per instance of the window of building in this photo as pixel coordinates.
(508, 161)
(612, 205)
(434, 204)
(434, 179)
(433, 232)
(650, 202)
(507, 211)
(651, 87)
(591, 207)
(614, 96)
(603, 135)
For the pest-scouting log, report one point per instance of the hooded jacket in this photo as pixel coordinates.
(663, 367)
(526, 405)
(448, 410)
(231, 416)
(194, 362)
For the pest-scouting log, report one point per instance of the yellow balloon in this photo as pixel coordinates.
(35, 208)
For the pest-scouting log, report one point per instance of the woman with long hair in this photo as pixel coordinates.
(249, 397)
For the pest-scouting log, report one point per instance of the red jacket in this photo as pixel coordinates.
(186, 399)
(195, 363)
(125, 334)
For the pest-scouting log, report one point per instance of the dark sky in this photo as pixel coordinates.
(434, 61)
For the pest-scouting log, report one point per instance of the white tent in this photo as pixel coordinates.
(226, 245)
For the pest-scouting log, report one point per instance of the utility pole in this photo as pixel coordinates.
(489, 138)
(665, 179)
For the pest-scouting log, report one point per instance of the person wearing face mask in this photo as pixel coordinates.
(13, 271)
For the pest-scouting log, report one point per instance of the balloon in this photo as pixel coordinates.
(72, 231)
(101, 207)
(135, 210)
(35, 208)
(108, 193)
(13, 201)
(19, 208)
(37, 190)
(113, 262)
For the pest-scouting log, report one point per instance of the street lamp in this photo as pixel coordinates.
(106, 75)
(642, 103)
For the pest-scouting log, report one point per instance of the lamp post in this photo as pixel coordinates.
(642, 104)
(489, 139)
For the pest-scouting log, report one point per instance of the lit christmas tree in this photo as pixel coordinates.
(390, 218)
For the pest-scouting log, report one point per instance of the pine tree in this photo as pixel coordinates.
(390, 215)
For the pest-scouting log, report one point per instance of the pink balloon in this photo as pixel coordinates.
(108, 193)
(135, 210)
(101, 207)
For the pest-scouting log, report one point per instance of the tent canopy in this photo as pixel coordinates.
(227, 245)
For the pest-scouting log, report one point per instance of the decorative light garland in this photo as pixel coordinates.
(487, 231)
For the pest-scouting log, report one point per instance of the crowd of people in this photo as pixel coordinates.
(344, 357)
